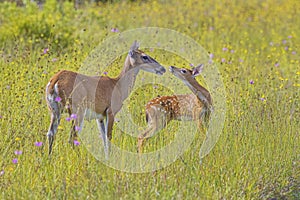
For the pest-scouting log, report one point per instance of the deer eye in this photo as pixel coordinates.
(145, 57)
(183, 71)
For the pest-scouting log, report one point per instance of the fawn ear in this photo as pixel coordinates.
(134, 46)
(197, 70)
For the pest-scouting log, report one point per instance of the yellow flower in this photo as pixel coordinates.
(17, 139)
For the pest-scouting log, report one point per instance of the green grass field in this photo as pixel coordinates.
(256, 46)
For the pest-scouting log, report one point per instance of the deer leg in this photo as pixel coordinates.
(108, 130)
(77, 125)
(101, 127)
(156, 120)
(55, 120)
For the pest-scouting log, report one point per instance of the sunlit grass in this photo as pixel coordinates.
(256, 46)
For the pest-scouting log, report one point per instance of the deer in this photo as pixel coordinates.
(92, 97)
(191, 107)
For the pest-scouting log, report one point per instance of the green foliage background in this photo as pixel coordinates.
(257, 155)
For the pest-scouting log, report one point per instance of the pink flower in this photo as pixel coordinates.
(76, 143)
(38, 144)
(114, 30)
(15, 160)
(57, 99)
(18, 152)
(68, 119)
(77, 128)
(46, 50)
(73, 116)
(2, 172)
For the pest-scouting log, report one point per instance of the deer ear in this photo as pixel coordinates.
(134, 46)
(197, 70)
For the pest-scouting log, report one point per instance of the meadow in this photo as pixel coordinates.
(256, 45)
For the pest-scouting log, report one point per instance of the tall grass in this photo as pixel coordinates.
(257, 155)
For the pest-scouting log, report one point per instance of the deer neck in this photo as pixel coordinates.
(126, 79)
(202, 93)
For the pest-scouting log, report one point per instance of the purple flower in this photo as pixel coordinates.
(276, 64)
(1, 116)
(57, 99)
(225, 49)
(114, 30)
(73, 116)
(54, 59)
(68, 119)
(76, 142)
(294, 52)
(105, 73)
(262, 99)
(15, 160)
(241, 60)
(283, 41)
(38, 144)
(232, 51)
(191, 65)
(2, 172)
(223, 60)
(46, 50)
(77, 128)
(211, 55)
(286, 48)
(289, 36)
(18, 152)
(251, 82)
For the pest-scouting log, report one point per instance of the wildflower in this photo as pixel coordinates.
(294, 52)
(18, 152)
(15, 160)
(225, 49)
(191, 64)
(105, 73)
(290, 36)
(68, 119)
(54, 59)
(77, 128)
(232, 51)
(73, 116)
(241, 60)
(286, 48)
(211, 55)
(2, 172)
(223, 60)
(58, 99)
(251, 82)
(1, 116)
(38, 144)
(283, 41)
(277, 64)
(76, 142)
(46, 50)
(114, 30)
(18, 139)
(271, 43)
(262, 99)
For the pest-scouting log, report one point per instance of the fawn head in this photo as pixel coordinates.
(139, 60)
(186, 74)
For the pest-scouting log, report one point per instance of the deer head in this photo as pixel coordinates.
(139, 60)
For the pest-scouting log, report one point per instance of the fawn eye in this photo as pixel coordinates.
(183, 71)
(145, 57)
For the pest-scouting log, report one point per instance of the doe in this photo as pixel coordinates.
(91, 96)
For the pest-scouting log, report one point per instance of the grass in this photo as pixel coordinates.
(257, 154)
